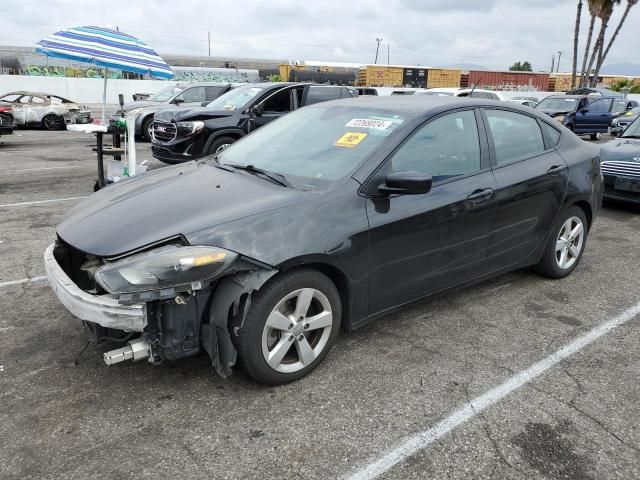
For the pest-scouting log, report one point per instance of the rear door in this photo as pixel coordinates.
(318, 94)
(532, 181)
(192, 97)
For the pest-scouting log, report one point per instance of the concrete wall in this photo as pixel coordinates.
(83, 90)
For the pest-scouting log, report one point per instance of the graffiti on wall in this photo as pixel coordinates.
(231, 76)
(76, 72)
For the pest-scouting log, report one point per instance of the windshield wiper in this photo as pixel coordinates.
(630, 136)
(272, 176)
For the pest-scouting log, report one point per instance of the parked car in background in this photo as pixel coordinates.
(6, 118)
(326, 219)
(619, 123)
(622, 106)
(182, 135)
(528, 101)
(479, 93)
(43, 110)
(582, 114)
(438, 92)
(367, 91)
(620, 165)
(174, 97)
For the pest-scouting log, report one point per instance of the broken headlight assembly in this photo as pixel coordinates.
(165, 267)
(190, 127)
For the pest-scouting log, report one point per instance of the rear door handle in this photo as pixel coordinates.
(480, 194)
(556, 169)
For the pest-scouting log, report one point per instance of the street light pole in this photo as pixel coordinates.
(377, 49)
(558, 64)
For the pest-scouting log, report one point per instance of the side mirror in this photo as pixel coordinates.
(204, 104)
(177, 100)
(258, 110)
(584, 110)
(406, 183)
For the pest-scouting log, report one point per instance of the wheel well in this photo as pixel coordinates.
(586, 208)
(340, 281)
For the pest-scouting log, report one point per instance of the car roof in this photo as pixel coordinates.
(37, 94)
(422, 104)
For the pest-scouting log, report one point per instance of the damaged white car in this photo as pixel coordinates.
(43, 110)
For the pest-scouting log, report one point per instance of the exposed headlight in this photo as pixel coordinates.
(629, 114)
(164, 267)
(559, 118)
(191, 127)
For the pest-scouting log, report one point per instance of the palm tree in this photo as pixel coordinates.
(605, 15)
(594, 7)
(601, 58)
(576, 35)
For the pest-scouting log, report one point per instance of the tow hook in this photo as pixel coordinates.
(136, 349)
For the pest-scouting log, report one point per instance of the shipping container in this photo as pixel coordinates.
(508, 80)
(414, 77)
(380, 76)
(443, 77)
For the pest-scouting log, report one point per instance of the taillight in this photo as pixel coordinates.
(6, 109)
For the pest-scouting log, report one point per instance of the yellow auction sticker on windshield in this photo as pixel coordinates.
(350, 139)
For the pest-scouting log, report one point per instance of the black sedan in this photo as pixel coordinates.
(325, 219)
(621, 165)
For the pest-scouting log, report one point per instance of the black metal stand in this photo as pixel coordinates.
(115, 151)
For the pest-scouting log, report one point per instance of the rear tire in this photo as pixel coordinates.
(219, 144)
(291, 325)
(565, 245)
(52, 122)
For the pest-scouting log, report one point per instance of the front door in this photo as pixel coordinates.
(595, 117)
(421, 244)
(274, 106)
(532, 181)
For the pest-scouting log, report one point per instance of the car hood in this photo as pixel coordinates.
(203, 203)
(621, 149)
(553, 113)
(137, 104)
(195, 113)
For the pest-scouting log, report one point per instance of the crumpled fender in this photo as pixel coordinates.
(229, 293)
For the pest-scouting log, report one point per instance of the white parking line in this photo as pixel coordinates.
(469, 410)
(22, 280)
(41, 201)
(19, 170)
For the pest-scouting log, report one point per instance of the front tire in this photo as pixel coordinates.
(595, 136)
(146, 128)
(220, 144)
(291, 325)
(566, 244)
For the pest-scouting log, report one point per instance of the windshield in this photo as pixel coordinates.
(315, 145)
(166, 94)
(633, 130)
(235, 99)
(558, 103)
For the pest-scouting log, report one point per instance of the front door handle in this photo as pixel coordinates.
(555, 169)
(480, 194)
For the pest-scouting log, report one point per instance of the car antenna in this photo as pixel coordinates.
(473, 88)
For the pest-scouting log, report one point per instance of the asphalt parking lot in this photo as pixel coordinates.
(64, 414)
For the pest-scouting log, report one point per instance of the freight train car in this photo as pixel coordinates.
(407, 76)
(508, 80)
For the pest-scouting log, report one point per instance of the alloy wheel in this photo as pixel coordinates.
(222, 147)
(297, 330)
(569, 242)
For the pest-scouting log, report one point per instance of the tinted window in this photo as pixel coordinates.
(24, 99)
(515, 136)
(195, 94)
(446, 147)
(212, 92)
(322, 94)
(600, 106)
(553, 135)
(279, 102)
(37, 100)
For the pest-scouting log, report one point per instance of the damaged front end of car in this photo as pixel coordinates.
(168, 301)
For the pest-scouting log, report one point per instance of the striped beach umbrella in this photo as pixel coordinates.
(105, 48)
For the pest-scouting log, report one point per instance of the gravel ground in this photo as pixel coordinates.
(64, 414)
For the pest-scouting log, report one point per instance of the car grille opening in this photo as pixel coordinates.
(164, 131)
(620, 169)
(72, 261)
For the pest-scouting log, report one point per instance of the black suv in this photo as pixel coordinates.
(183, 135)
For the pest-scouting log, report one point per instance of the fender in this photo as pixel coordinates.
(236, 132)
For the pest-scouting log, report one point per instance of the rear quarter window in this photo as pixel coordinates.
(322, 94)
(552, 135)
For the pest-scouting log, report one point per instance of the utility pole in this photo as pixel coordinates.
(209, 38)
(377, 49)
(558, 65)
(388, 62)
(553, 62)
